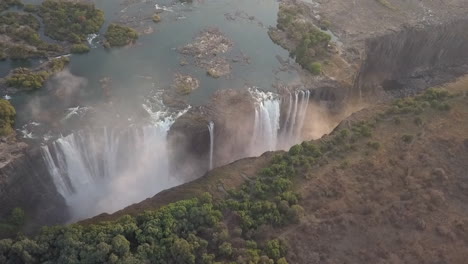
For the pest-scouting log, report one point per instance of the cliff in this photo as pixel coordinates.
(25, 183)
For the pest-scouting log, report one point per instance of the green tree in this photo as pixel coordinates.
(7, 117)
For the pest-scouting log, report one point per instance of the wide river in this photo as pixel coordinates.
(136, 71)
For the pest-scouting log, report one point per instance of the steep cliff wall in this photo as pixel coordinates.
(232, 113)
(25, 183)
(408, 61)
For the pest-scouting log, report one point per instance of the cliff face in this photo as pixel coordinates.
(232, 113)
(26, 183)
(406, 62)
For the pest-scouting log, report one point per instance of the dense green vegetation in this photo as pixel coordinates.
(117, 35)
(27, 79)
(79, 48)
(310, 43)
(5, 4)
(70, 21)
(24, 39)
(13, 223)
(7, 117)
(17, 19)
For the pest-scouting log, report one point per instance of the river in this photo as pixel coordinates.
(151, 63)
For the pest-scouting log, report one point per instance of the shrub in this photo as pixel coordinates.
(418, 121)
(225, 249)
(118, 35)
(70, 21)
(17, 217)
(79, 48)
(315, 68)
(407, 138)
(374, 145)
(7, 117)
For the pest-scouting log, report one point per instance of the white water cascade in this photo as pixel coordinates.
(105, 170)
(269, 134)
(266, 124)
(211, 129)
(297, 112)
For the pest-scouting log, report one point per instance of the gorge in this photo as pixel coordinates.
(130, 144)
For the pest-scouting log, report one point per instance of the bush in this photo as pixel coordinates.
(118, 35)
(418, 121)
(315, 68)
(27, 79)
(407, 138)
(5, 4)
(225, 249)
(70, 21)
(17, 217)
(7, 117)
(79, 48)
(374, 145)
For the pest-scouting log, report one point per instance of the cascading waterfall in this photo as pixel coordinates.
(211, 129)
(266, 124)
(107, 169)
(268, 134)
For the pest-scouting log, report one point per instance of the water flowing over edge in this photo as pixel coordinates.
(211, 130)
(106, 169)
(269, 133)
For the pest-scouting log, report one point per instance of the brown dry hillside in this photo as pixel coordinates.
(402, 198)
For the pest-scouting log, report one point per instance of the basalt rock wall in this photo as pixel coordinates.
(413, 59)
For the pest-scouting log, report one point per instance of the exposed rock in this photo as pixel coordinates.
(185, 84)
(216, 67)
(207, 49)
(210, 42)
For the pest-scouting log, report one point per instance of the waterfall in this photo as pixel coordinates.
(266, 123)
(211, 129)
(305, 95)
(106, 169)
(268, 134)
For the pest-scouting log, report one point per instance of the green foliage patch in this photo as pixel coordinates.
(24, 78)
(7, 117)
(117, 35)
(70, 21)
(310, 42)
(5, 4)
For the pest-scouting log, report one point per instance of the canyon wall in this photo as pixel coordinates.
(406, 62)
(25, 182)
